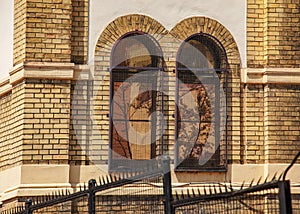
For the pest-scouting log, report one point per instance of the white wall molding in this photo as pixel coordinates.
(271, 75)
(27, 180)
(41, 70)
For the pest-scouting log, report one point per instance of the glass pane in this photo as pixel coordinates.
(120, 145)
(136, 50)
(194, 103)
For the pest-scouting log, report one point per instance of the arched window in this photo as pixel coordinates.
(201, 104)
(136, 62)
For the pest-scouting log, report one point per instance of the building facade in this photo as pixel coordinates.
(101, 86)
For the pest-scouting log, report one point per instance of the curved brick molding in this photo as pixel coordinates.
(170, 43)
(192, 25)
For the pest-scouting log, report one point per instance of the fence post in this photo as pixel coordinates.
(91, 197)
(285, 201)
(165, 164)
(28, 204)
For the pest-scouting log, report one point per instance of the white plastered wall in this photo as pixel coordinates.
(230, 13)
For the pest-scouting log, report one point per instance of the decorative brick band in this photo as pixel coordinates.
(193, 25)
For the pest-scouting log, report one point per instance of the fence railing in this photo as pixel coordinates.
(268, 197)
(150, 191)
(139, 192)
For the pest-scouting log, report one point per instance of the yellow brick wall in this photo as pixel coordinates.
(46, 121)
(253, 134)
(282, 34)
(48, 30)
(270, 129)
(81, 122)
(282, 122)
(42, 31)
(11, 127)
(273, 37)
(19, 31)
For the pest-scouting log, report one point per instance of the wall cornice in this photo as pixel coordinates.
(41, 70)
(38, 70)
(5, 86)
(270, 75)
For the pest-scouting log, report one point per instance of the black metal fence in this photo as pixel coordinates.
(151, 191)
(142, 191)
(268, 197)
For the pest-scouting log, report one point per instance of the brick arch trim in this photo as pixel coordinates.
(128, 23)
(193, 25)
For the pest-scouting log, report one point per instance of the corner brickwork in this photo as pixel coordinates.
(42, 31)
(253, 135)
(271, 128)
(19, 31)
(80, 26)
(11, 127)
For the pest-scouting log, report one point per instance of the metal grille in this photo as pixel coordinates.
(258, 202)
(135, 132)
(268, 197)
(144, 196)
(76, 206)
(201, 137)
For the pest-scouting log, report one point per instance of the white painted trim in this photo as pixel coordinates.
(5, 86)
(41, 70)
(270, 75)
(27, 180)
(35, 179)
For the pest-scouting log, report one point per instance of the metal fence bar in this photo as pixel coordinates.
(28, 205)
(167, 184)
(285, 201)
(91, 197)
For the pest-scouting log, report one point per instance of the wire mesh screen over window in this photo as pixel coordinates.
(135, 82)
(201, 104)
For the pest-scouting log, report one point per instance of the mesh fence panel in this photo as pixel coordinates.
(264, 201)
(144, 196)
(75, 206)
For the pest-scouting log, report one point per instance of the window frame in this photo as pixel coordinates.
(222, 69)
(131, 164)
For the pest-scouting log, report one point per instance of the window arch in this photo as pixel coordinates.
(136, 62)
(201, 104)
